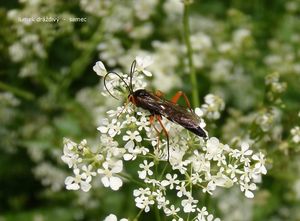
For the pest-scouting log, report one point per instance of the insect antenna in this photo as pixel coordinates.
(104, 81)
(132, 70)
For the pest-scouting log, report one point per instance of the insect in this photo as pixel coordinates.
(160, 107)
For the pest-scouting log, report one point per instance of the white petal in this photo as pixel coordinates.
(165, 183)
(115, 183)
(129, 145)
(255, 157)
(147, 209)
(127, 156)
(249, 194)
(105, 181)
(118, 167)
(138, 138)
(85, 186)
(111, 217)
(147, 73)
(199, 112)
(74, 186)
(142, 174)
(102, 129)
(126, 137)
(112, 132)
(100, 171)
(263, 169)
(244, 146)
(100, 69)
(69, 180)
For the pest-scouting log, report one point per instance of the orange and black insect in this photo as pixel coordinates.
(158, 107)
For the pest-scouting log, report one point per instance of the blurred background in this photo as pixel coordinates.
(246, 52)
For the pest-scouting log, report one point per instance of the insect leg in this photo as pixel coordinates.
(126, 103)
(130, 99)
(178, 95)
(151, 120)
(158, 117)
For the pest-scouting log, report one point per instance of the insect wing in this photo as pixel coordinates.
(181, 116)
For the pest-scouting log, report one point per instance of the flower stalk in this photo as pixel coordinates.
(193, 78)
(17, 91)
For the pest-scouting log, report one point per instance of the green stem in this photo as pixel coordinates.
(191, 191)
(207, 200)
(163, 171)
(16, 91)
(125, 176)
(157, 216)
(138, 215)
(193, 78)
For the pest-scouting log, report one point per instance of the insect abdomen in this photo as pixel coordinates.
(198, 131)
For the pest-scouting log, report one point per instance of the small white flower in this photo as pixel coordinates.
(199, 162)
(172, 211)
(210, 217)
(213, 106)
(246, 175)
(245, 149)
(195, 178)
(143, 125)
(130, 119)
(232, 170)
(80, 181)
(133, 136)
(265, 120)
(213, 148)
(112, 217)
(260, 166)
(199, 112)
(161, 200)
(247, 188)
(201, 41)
(118, 111)
(202, 213)
(143, 198)
(171, 180)
(181, 189)
(142, 63)
(296, 134)
(112, 129)
(240, 35)
(69, 144)
(189, 204)
(70, 156)
(100, 69)
(82, 145)
(88, 171)
(146, 169)
(108, 179)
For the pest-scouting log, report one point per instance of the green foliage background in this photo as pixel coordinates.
(59, 96)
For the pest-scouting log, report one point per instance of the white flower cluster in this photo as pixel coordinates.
(266, 119)
(276, 87)
(212, 107)
(194, 166)
(295, 131)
